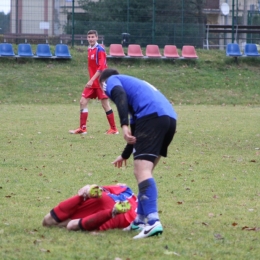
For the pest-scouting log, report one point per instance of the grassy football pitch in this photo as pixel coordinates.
(209, 195)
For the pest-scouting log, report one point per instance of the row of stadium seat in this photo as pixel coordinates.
(152, 51)
(250, 50)
(115, 51)
(42, 51)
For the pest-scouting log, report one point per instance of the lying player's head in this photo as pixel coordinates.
(106, 74)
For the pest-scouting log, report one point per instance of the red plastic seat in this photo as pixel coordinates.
(134, 50)
(116, 50)
(189, 52)
(153, 51)
(171, 51)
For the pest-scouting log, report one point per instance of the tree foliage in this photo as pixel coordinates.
(148, 21)
(4, 22)
(174, 11)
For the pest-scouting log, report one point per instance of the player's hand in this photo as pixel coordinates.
(89, 84)
(83, 191)
(130, 139)
(119, 162)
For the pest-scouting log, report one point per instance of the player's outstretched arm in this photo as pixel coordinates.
(119, 162)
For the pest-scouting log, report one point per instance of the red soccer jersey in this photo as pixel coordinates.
(96, 62)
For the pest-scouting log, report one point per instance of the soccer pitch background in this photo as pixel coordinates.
(208, 186)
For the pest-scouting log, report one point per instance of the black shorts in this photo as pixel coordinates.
(153, 137)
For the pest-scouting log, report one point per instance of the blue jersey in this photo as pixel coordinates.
(143, 98)
(125, 193)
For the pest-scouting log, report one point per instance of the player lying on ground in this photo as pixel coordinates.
(95, 208)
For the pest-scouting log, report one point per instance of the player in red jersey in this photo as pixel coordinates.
(96, 64)
(95, 208)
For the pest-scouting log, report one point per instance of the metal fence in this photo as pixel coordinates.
(52, 21)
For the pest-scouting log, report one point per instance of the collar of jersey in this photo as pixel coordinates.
(93, 46)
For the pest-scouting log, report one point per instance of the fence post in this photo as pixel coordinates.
(72, 36)
(153, 29)
(233, 10)
(127, 25)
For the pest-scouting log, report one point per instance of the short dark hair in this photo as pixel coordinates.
(92, 32)
(106, 74)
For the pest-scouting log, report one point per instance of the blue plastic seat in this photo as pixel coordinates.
(251, 50)
(43, 51)
(25, 50)
(233, 50)
(6, 50)
(62, 51)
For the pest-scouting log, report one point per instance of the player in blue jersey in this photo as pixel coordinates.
(152, 127)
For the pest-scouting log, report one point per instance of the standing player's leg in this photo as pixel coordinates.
(164, 129)
(83, 113)
(147, 197)
(148, 149)
(87, 94)
(83, 117)
(141, 175)
(109, 112)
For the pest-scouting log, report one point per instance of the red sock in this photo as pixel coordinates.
(111, 119)
(83, 120)
(94, 221)
(67, 207)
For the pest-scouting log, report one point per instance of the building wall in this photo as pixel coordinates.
(241, 8)
(29, 16)
(40, 16)
(214, 15)
(49, 16)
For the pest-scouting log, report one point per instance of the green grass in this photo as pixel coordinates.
(213, 79)
(208, 186)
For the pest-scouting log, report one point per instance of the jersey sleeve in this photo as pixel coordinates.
(111, 83)
(101, 60)
(119, 97)
(129, 147)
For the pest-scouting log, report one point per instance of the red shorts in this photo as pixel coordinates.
(94, 93)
